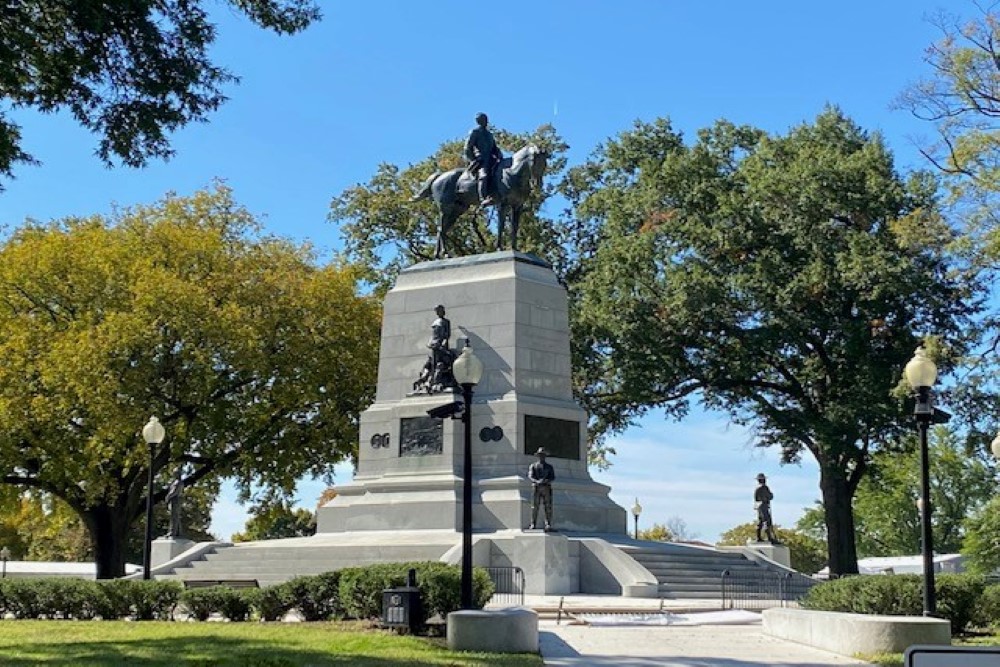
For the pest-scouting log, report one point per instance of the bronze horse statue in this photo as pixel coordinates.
(455, 191)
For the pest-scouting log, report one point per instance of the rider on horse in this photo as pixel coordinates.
(484, 156)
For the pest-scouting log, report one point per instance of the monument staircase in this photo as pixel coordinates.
(274, 561)
(691, 572)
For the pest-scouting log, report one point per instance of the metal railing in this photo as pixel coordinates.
(509, 586)
(761, 590)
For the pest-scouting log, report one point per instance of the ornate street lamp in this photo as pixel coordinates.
(636, 511)
(4, 556)
(468, 370)
(921, 373)
(153, 433)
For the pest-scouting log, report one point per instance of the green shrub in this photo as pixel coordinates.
(113, 601)
(439, 583)
(69, 598)
(272, 602)
(21, 597)
(234, 604)
(361, 587)
(957, 598)
(316, 596)
(201, 603)
(987, 613)
(899, 594)
(154, 600)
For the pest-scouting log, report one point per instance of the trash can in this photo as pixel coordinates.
(402, 607)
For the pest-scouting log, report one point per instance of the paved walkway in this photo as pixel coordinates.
(676, 646)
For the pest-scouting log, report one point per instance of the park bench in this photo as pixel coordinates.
(231, 583)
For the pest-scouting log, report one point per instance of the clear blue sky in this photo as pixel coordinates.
(385, 81)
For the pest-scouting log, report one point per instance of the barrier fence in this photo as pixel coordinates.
(762, 590)
(509, 586)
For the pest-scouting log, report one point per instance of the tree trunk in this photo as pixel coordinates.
(839, 515)
(107, 533)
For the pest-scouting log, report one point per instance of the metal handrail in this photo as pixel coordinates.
(508, 583)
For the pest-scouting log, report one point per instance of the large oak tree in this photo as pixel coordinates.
(257, 360)
(784, 280)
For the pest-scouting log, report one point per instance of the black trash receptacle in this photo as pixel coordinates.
(402, 607)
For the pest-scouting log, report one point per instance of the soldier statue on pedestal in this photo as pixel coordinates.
(762, 498)
(436, 374)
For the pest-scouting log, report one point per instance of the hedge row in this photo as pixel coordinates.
(80, 599)
(964, 599)
(349, 593)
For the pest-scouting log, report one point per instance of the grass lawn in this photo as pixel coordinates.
(896, 659)
(258, 644)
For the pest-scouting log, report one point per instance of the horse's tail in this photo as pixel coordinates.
(425, 189)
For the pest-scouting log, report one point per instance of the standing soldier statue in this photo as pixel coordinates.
(175, 494)
(762, 498)
(484, 157)
(541, 475)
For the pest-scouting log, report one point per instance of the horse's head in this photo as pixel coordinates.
(537, 162)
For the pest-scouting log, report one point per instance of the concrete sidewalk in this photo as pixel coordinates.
(699, 646)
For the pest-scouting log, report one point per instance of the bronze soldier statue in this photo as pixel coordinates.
(436, 374)
(484, 156)
(762, 498)
(175, 493)
(542, 475)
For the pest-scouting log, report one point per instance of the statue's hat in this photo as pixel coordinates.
(541, 452)
(761, 476)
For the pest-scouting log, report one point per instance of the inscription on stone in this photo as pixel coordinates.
(559, 437)
(421, 436)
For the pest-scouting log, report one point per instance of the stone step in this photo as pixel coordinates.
(673, 558)
(409, 552)
(682, 568)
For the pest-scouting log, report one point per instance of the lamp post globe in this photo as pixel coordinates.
(153, 433)
(920, 371)
(467, 371)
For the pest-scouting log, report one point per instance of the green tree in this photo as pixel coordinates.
(274, 520)
(386, 232)
(257, 361)
(982, 538)
(657, 533)
(784, 280)
(960, 98)
(806, 553)
(885, 505)
(131, 72)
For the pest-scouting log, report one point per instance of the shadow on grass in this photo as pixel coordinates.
(206, 651)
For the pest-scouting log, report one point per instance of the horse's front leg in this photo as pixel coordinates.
(439, 250)
(501, 214)
(515, 220)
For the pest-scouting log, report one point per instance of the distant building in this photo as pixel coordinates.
(32, 568)
(949, 563)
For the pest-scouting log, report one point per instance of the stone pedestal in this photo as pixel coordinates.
(777, 552)
(165, 549)
(514, 312)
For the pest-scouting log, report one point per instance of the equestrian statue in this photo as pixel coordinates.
(489, 180)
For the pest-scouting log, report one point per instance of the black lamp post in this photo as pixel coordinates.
(153, 434)
(921, 373)
(636, 511)
(4, 556)
(468, 370)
